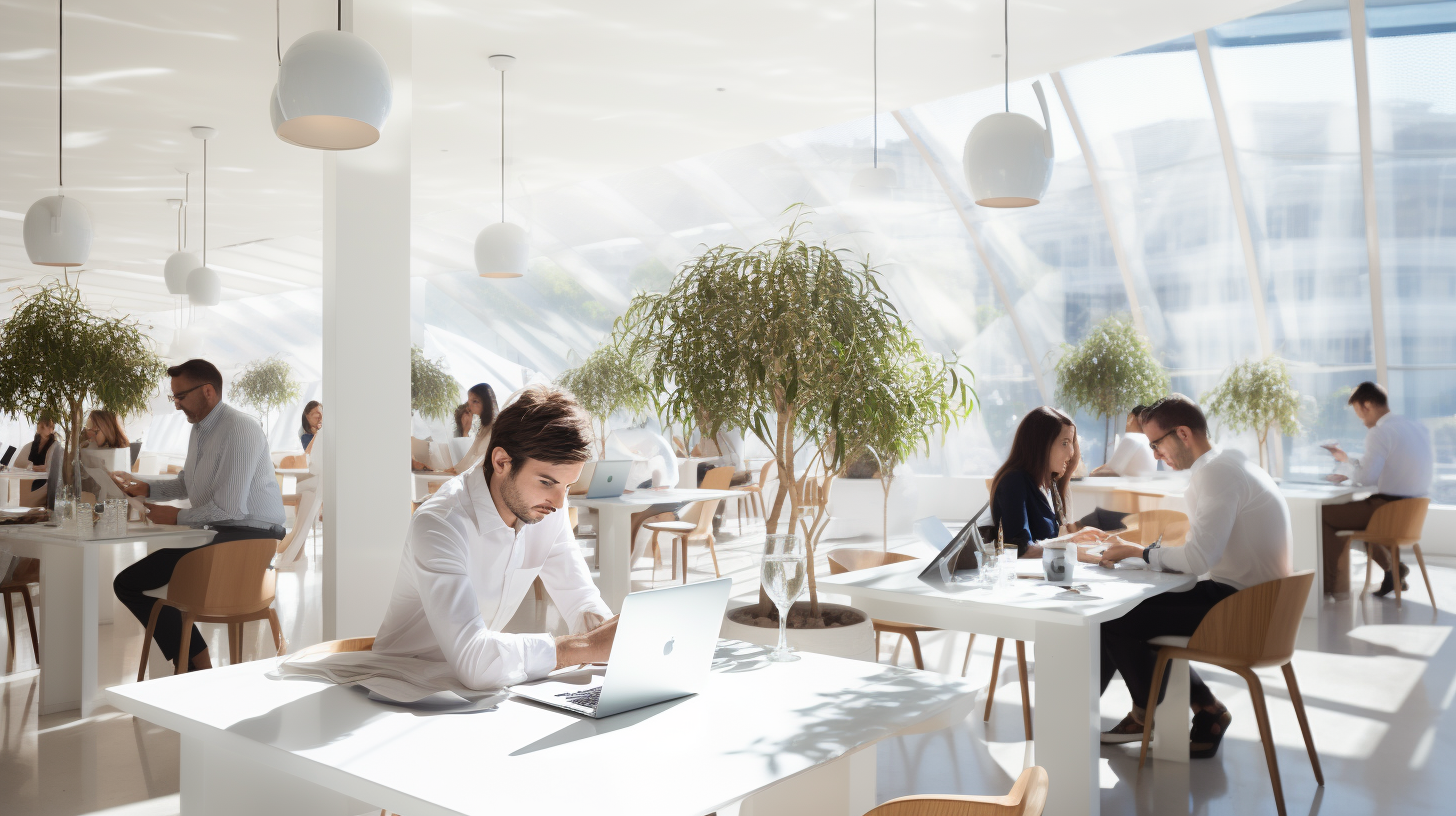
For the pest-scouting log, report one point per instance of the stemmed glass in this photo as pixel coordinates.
(784, 572)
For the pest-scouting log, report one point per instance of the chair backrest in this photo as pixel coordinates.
(1398, 522)
(763, 474)
(1027, 798)
(679, 448)
(298, 460)
(174, 468)
(310, 507)
(231, 578)
(1147, 526)
(719, 478)
(27, 571)
(358, 644)
(1256, 626)
(848, 559)
(702, 515)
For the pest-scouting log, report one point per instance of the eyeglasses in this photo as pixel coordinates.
(1154, 444)
(177, 398)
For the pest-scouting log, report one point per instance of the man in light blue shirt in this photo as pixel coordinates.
(228, 479)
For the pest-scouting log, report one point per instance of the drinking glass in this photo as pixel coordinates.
(85, 518)
(785, 569)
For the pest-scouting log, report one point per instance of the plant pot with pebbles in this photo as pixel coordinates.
(840, 631)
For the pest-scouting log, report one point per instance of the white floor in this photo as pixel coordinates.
(1379, 684)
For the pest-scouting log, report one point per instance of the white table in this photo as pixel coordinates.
(251, 745)
(69, 572)
(13, 478)
(1306, 502)
(423, 478)
(1068, 654)
(614, 533)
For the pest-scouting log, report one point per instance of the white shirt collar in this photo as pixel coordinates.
(1208, 456)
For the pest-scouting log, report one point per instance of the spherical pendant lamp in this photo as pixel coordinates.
(179, 265)
(333, 92)
(204, 287)
(1008, 156)
(57, 229)
(502, 250)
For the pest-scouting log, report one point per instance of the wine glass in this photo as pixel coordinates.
(785, 569)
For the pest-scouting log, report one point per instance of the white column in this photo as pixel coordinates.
(1358, 42)
(366, 345)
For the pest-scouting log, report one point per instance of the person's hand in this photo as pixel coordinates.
(1088, 535)
(39, 468)
(416, 464)
(130, 486)
(1119, 551)
(1335, 451)
(594, 646)
(1336, 478)
(161, 513)
(1102, 470)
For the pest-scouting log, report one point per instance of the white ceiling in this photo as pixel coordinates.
(599, 88)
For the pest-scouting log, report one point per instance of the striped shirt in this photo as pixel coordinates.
(228, 475)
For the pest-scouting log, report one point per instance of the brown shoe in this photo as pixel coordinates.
(1129, 730)
(1207, 732)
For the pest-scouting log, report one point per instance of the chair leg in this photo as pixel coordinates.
(1420, 559)
(35, 631)
(1298, 701)
(235, 643)
(1395, 565)
(10, 633)
(877, 645)
(278, 640)
(1261, 713)
(995, 670)
(1366, 588)
(184, 657)
(915, 650)
(684, 542)
(740, 513)
(713, 551)
(1025, 688)
(966, 664)
(147, 640)
(1159, 668)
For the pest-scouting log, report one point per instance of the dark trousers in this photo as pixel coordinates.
(155, 571)
(1125, 647)
(1348, 516)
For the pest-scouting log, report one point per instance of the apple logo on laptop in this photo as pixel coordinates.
(667, 647)
(610, 478)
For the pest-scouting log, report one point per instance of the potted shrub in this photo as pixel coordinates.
(1109, 372)
(60, 358)
(1256, 395)
(606, 382)
(434, 394)
(265, 386)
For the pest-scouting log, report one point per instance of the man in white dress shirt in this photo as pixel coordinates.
(476, 546)
(1239, 536)
(1398, 462)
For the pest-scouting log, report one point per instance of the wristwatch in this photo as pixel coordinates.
(1148, 549)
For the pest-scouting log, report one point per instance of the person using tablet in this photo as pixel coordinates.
(1029, 491)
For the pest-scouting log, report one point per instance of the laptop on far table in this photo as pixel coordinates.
(601, 479)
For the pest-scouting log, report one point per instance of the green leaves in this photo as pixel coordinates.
(1112, 370)
(433, 392)
(608, 381)
(1255, 396)
(265, 385)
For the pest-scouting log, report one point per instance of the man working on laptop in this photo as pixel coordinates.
(475, 547)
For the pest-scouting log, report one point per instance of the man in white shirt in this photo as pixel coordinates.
(1239, 536)
(1132, 456)
(476, 546)
(1398, 462)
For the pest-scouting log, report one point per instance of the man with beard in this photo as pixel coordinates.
(476, 546)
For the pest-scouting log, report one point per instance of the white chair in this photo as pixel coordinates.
(290, 549)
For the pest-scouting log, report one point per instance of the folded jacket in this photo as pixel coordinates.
(400, 679)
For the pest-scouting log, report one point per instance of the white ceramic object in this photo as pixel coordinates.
(333, 92)
(204, 287)
(857, 506)
(501, 251)
(57, 232)
(179, 265)
(874, 180)
(1008, 158)
(856, 642)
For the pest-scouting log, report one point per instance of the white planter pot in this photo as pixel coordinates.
(856, 641)
(857, 506)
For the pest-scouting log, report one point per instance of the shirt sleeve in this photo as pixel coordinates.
(568, 581)
(1366, 469)
(480, 658)
(235, 463)
(1208, 532)
(169, 489)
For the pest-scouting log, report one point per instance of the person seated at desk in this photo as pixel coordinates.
(481, 405)
(312, 421)
(228, 478)
(1239, 536)
(103, 431)
(475, 547)
(654, 467)
(1029, 491)
(1132, 456)
(463, 420)
(1398, 462)
(43, 451)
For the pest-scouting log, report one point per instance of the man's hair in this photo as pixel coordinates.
(544, 423)
(1176, 411)
(1369, 393)
(199, 371)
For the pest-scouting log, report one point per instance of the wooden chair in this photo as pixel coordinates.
(848, 559)
(290, 549)
(1138, 501)
(26, 572)
(359, 644)
(225, 583)
(290, 462)
(753, 496)
(1395, 525)
(174, 469)
(1027, 798)
(1252, 629)
(697, 528)
(1144, 528)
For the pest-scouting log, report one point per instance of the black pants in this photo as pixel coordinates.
(1125, 645)
(156, 570)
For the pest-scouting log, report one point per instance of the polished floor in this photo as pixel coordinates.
(1379, 684)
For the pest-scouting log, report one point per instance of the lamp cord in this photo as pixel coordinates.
(341, 15)
(186, 199)
(503, 148)
(60, 95)
(278, 29)
(1006, 48)
(875, 61)
(204, 202)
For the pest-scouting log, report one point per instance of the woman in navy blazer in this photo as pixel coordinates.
(1029, 492)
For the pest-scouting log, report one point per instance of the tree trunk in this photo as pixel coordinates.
(885, 483)
(1263, 441)
(784, 460)
(1106, 436)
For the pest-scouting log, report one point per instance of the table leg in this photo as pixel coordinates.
(614, 547)
(68, 621)
(1173, 717)
(1068, 660)
(217, 782)
(1306, 526)
(843, 787)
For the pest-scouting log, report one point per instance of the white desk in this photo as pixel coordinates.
(614, 533)
(1068, 654)
(69, 571)
(423, 478)
(251, 745)
(13, 478)
(1305, 501)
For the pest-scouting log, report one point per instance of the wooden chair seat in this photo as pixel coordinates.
(1392, 526)
(670, 526)
(26, 572)
(699, 527)
(1026, 798)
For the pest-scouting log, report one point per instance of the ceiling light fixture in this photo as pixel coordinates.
(501, 250)
(57, 229)
(333, 91)
(1008, 157)
(875, 178)
(204, 287)
(180, 262)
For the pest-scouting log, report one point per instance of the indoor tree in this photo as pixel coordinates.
(59, 358)
(607, 381)
(1256, 395)
(433, 392)
(265, 386)
(1109, 372)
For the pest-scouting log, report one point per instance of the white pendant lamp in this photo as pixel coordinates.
(1008, 158)
(502, 250)
(333, 92)
(180, 262)
(57, 228)
(204, 287)
(875, 180)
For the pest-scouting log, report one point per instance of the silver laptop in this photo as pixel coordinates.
(662, 651)
(607, 481)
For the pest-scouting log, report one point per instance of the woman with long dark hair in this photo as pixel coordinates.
(1029, 492)
(313, 420)
(481, 402)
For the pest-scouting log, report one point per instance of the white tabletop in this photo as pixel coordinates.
(1176, 484)
(754, 724)
(292, 471)
(10, 473)
(643, 498)
(135, 531)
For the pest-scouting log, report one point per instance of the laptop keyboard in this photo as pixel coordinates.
(586, 699)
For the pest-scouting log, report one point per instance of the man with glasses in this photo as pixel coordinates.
(1239, 536)
(228, 478)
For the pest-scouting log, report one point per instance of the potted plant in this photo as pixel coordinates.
(60, 358)
(606, 382)
(1109, 372)
(1256, 395)
(265, 385)
(794, 343)
(434, 394)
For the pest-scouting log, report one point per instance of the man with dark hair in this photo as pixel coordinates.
(1398, 462)
(227, 477)
(1239, 536)
(476, 546)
